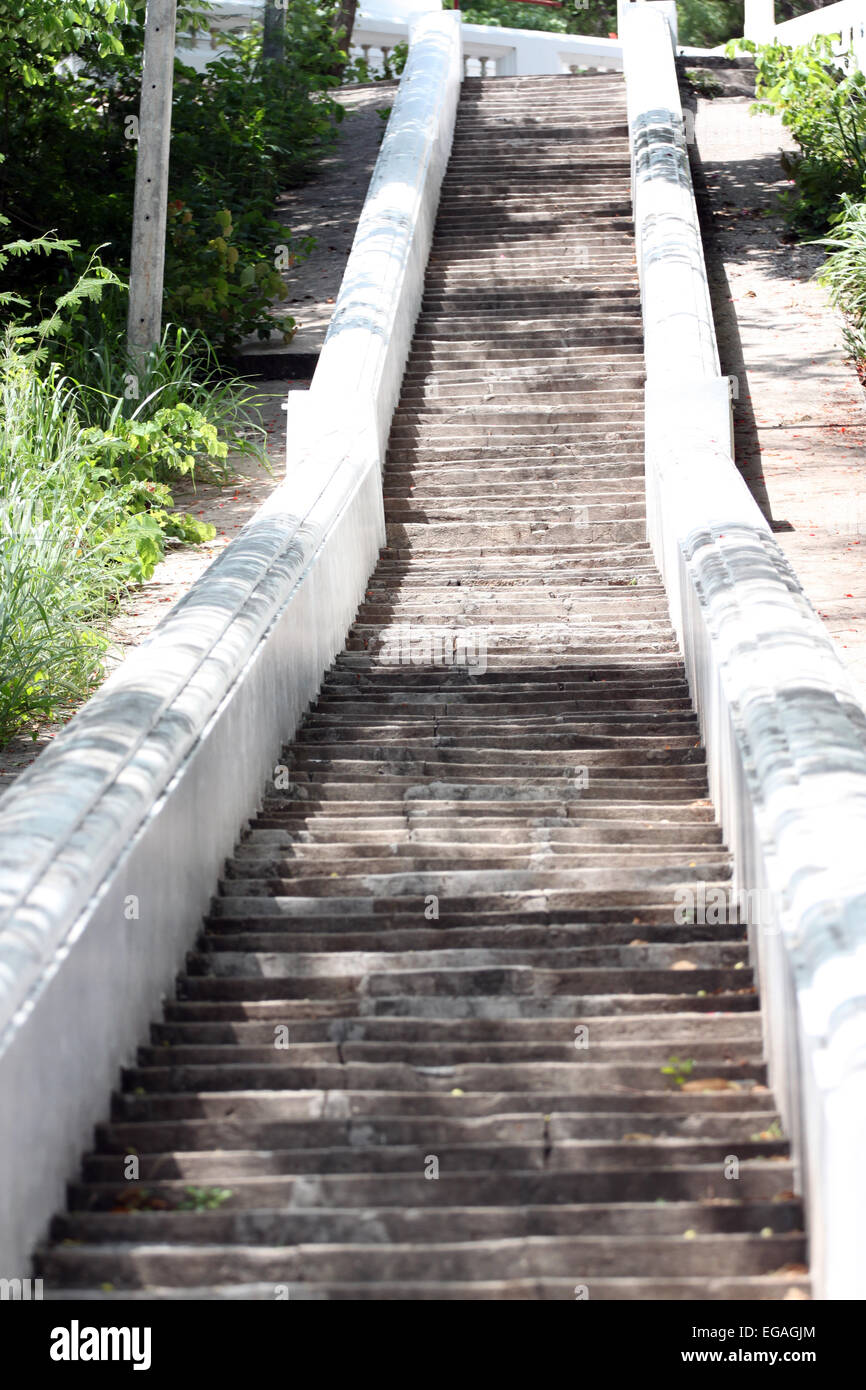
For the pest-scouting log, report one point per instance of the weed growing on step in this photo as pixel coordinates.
(679, 1069)
(773, 1131)
(204, 1198)
(704, 83)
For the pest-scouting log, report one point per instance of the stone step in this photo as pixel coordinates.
(708, 1254)
(402, 838)
(226, 1165)
(269, 1106)
(382, 1225)
(766, 1288)
(221, 960)
(579, 1078)
(685, 1030)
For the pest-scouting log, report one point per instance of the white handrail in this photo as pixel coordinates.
(112, 842)
(784, 731)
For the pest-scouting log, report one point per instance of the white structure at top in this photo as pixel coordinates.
(400, 10)
(847, 18)
(493, 50)
(489, 50)
(380, 25)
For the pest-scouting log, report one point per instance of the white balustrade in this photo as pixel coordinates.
(847, 18)
(490, 50)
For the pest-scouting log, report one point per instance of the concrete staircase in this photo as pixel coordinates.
(456, 906)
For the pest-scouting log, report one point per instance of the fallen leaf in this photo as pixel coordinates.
(709, 1083)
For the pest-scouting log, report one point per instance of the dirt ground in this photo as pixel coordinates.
(328, 209)
(801, 412)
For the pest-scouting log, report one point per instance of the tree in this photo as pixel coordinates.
(708, 23)
(790, 9)
(343, 26)
(274, 36)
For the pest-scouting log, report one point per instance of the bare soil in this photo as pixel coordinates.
(800, 415)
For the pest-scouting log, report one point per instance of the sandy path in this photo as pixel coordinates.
(801, 413)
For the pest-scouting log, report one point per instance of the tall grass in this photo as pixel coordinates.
(58, 567)
(844, 275)
(182, 370)
(88, 445)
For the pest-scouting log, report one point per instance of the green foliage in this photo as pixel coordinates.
(707, 23)
(60, 560)
(204, 1198)
(516, 16)
(844, 274)
(825, 110)
(702, 23)
(242, 131)
(704, 83)
(679, 1069)
(219, 287)
(359, 70)
(594, 18)
(86, 507)
(182, 370)
(35, 33)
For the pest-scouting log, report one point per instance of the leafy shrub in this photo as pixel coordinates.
(218, 287)
(182, 369)
(85, 504)
(844, 274)
(242, 130)
(825, 110)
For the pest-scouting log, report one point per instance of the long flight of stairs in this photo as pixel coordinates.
(442, 1036)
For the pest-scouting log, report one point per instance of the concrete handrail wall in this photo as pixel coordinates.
(367, 342)
(784, 731)
(112, 842)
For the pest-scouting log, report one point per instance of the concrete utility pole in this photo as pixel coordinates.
(275, 28)
(147, 263)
